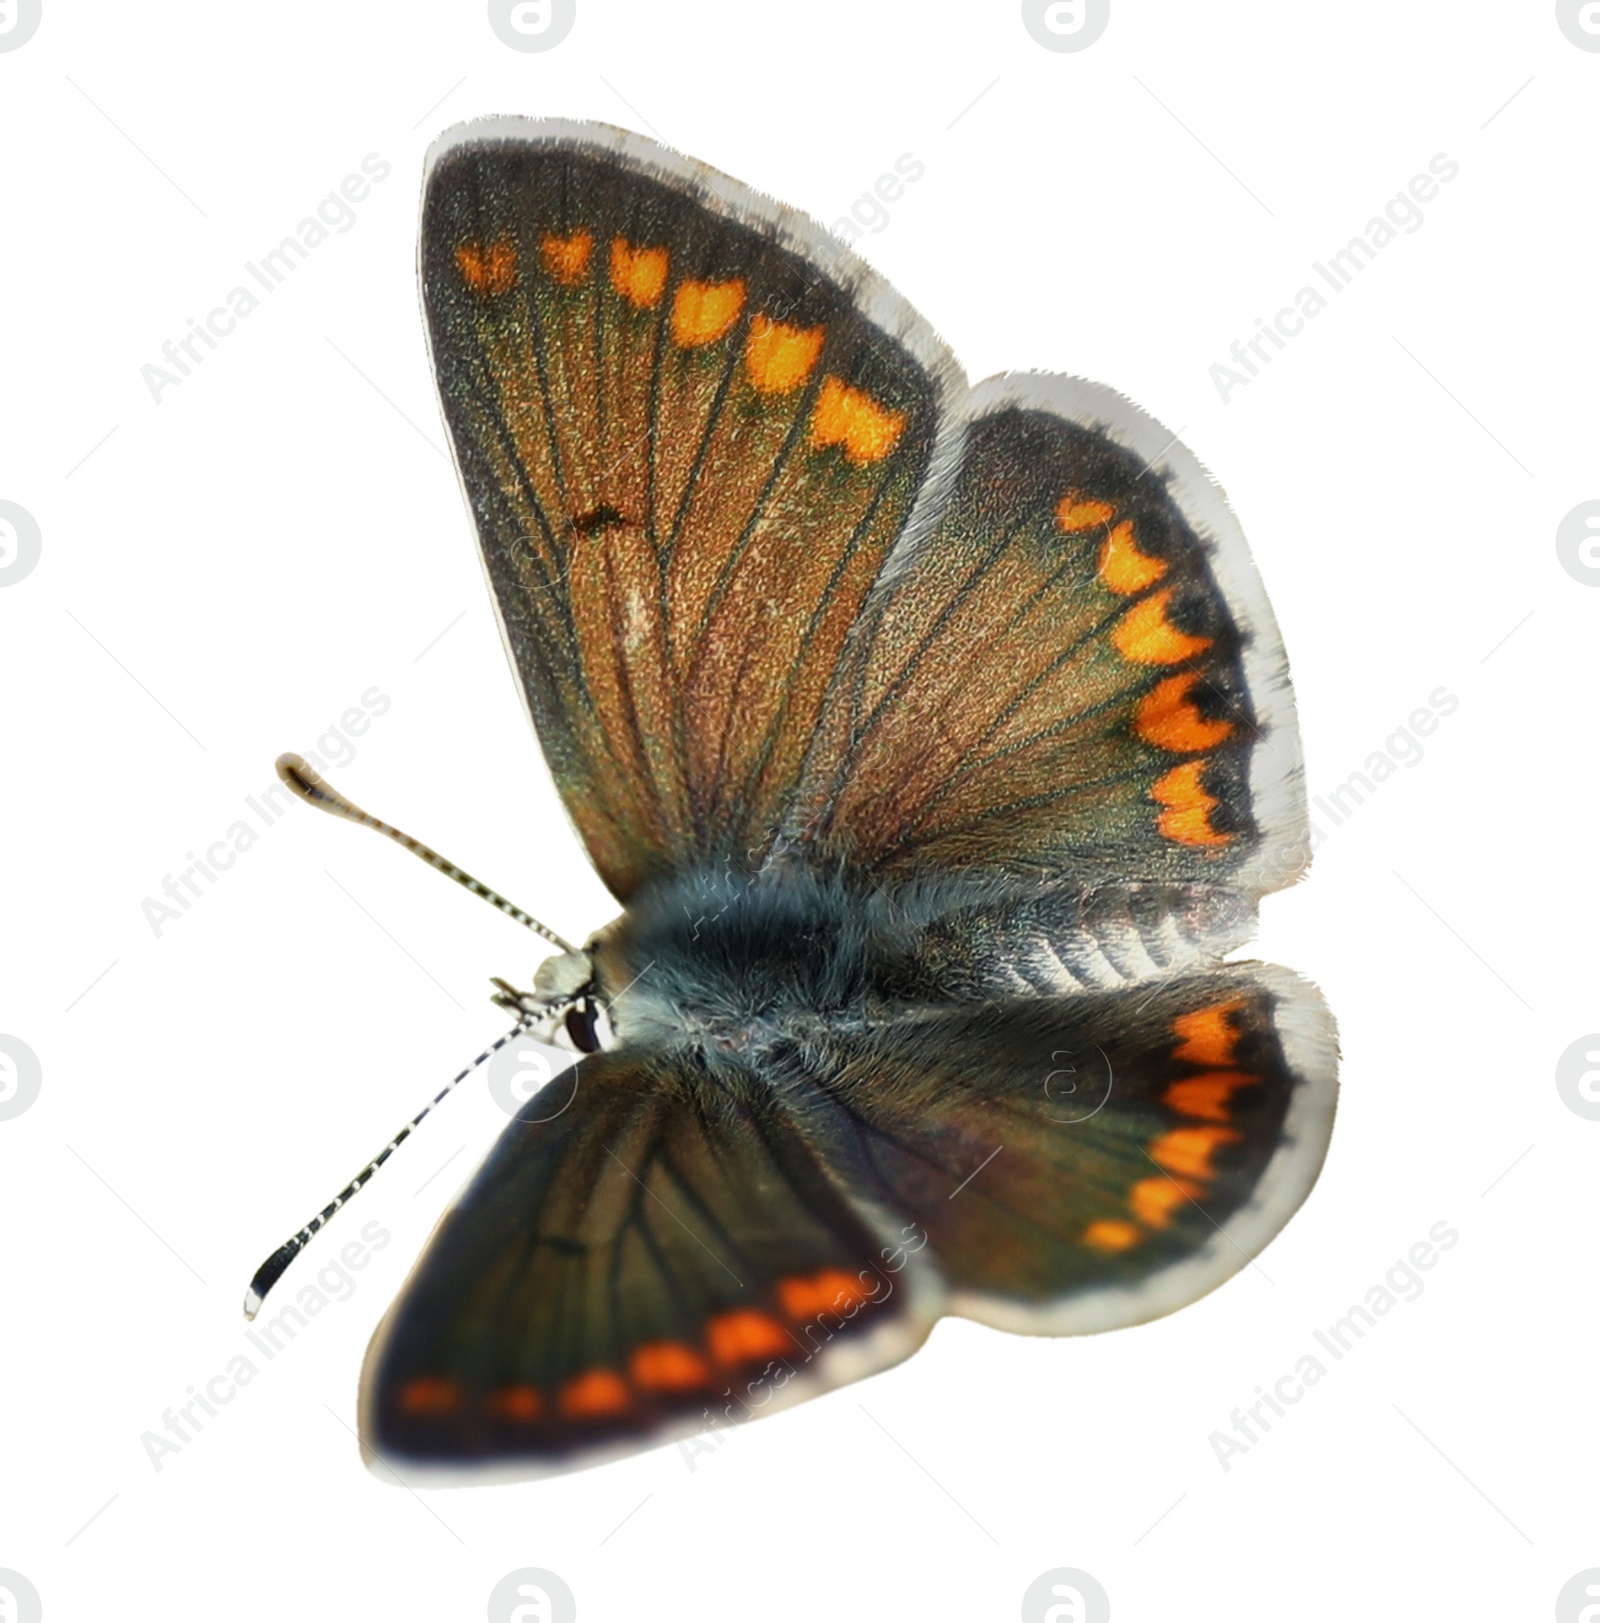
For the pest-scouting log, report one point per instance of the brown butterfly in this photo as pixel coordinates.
(938, 743)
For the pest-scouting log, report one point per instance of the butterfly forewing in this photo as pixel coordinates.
(664, 1252)
(688, 451)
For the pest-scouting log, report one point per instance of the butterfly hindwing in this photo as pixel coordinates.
(652, 1247)
(1074, 671)
(689, 438)
(1086, 1162)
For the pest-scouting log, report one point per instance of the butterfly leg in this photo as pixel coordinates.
(507, 996)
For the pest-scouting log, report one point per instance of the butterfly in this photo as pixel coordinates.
(938, 744)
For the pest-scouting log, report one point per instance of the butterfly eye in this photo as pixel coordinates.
(583, 1027)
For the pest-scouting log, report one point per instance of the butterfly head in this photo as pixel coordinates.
(565, 1007)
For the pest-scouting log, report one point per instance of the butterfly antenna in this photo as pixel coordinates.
(316, 791)
(273, 1269)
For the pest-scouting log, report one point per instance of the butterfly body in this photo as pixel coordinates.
(721, 957)
(938, 744)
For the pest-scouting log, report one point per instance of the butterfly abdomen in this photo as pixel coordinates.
(966, 938)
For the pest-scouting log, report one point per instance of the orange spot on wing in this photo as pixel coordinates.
(595, 1393)
(488, 267)
(1154, 1199)
(853, 419)
(1073, 512)
(1167, 718)
(430, 1395)
(1110, 1235)
(567, 258)
(744, 1335)
(831, 1291)
(1145, 634)
(668, 1366)
(523, 1403)
(1207, 1035)
(1207, 1096)
(1188, 807)
(1123, 567)
(638, 274)
(1187, 1151)
(780, 358)
(703, 311)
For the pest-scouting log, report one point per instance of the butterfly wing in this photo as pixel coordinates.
(653, 1247)
(1074, 671)
(709, 454)
(690, 426)
(675, 1243)
(1080, 1163)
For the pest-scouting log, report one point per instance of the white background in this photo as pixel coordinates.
(232, 568)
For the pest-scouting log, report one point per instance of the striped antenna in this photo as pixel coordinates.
(272, 1270)
(316, 791)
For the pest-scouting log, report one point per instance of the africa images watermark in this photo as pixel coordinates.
(183, 890)
(182, 1423)
(838, 1298)
(870, 212)
(335, 214)
(1402, 213)
(1401, 1283)
(1403, 747)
